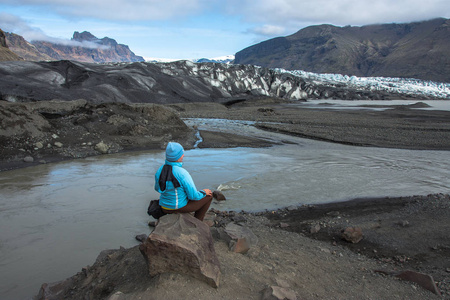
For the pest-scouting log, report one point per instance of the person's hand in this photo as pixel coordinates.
(208, 192)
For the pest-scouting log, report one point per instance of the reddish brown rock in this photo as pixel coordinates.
(241, 238)
(424, 280)
(183, 244)
(352, 234)
(240, 245)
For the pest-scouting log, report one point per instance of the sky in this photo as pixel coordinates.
(192, 29)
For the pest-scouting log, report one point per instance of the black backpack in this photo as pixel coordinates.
(155, 210)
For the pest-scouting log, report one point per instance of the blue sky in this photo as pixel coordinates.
(186, 29)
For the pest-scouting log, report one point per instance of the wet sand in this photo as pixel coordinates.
(399, 127)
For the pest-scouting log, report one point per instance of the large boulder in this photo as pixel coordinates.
(183, 244)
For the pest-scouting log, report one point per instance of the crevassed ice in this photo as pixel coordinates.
(390, 84)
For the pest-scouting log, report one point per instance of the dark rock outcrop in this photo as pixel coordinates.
(414, 50)
(55, 130)
(182, 244)
(124, 268)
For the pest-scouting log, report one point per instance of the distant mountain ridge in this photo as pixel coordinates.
(223, 59)
(83, 47)
(227, 59)
(414, 50)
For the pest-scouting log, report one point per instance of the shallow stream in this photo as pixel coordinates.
(56, 218)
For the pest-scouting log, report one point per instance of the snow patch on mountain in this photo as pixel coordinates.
(226, 59)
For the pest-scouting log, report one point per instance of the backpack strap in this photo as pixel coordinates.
(167, 175)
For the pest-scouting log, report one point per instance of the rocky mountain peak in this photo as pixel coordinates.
(91, 49)
(84, 36)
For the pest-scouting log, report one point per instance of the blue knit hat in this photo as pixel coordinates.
(174, 151)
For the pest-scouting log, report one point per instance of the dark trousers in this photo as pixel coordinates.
(199, 207)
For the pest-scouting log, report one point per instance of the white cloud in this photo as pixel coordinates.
(12, 23)
(292, 13)
(17, 25)
(124, 10)
(268, 30)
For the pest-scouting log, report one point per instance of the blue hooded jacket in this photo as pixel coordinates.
(175, 198)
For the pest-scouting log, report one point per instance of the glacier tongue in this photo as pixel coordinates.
(186, 81)
(408, 86)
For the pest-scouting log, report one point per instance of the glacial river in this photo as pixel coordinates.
(56, 218)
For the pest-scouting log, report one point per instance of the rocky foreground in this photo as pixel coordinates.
(49, 131)
(300, 249)
(299, 252)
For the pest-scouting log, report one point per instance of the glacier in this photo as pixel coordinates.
(409, 86)
(187, 81)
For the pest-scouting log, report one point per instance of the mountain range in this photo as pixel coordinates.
(83, 47)
(418, 50)
(415, 50)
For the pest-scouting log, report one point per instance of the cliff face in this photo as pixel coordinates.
(415, 50)
(85, 48)
(94, 50)
(24, 49)
(5, 53)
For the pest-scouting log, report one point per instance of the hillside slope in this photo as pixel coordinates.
(5, 53)
(416, 50)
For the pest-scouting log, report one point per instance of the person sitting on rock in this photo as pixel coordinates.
(177, 189)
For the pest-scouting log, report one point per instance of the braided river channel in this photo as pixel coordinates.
(56, 218)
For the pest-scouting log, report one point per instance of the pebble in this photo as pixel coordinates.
(28, 159)
(284, 225)
(314, 228)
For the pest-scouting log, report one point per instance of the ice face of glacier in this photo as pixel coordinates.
(185, 81)
(409, 86)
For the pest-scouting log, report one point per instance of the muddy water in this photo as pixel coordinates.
(55, 219)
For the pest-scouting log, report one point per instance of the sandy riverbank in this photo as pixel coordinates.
(34, 133)
(402, 126)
